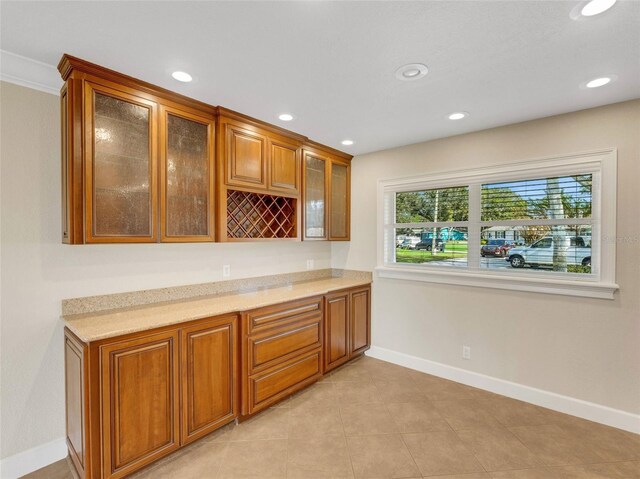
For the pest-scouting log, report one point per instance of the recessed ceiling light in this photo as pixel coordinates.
(182, 76)
(347, 142)
(411, 71)
(286, 116)
(594, 7)
(598, 82)
(459, 115)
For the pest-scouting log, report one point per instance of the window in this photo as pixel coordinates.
(534, 226)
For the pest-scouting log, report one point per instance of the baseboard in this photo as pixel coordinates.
(557, 402)
(31, 460)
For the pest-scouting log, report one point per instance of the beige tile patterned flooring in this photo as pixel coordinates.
(372, 419)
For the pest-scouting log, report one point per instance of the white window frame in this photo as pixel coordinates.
(602, 164)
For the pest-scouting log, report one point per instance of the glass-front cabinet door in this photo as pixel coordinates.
(120, 165)
(339, 202)
(315, 197)
(187, 164)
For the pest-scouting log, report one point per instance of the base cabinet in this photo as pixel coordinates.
(336, 332)
(347, 331)
(139, 402)
(282, 352)
(208, 377)
(136, 398)
(133, 399)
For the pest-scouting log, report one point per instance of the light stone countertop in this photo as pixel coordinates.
(91, 327)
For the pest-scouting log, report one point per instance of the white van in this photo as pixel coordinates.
(577, 252)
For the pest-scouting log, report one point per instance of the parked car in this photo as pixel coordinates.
(496, 247)
(409, 242)
(428, 244)
(577, 252)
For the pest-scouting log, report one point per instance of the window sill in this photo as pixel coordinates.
(585, 289)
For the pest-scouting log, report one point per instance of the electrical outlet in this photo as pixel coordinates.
(466, 352)
(309, 264)
(226, 270)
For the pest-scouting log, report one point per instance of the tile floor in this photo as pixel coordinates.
(372, 419)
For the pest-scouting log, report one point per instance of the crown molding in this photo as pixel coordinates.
(29, 73)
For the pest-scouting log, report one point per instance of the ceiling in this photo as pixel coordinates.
(332, 64)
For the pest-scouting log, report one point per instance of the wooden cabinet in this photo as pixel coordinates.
(282, 352)
(347, 332)
(208, 373)
(258, 180)
(129, 150)
(284, 166)
(315, 196)
(143, 164)
(76, 395)
(133, 399)
(336, 333)
(360, 320)
(187, 173)
(120, 165)
(326, 195)
(140, 402)
(245, 157)
(339, 200)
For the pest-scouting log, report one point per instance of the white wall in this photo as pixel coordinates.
(37, 271)
(582, 348)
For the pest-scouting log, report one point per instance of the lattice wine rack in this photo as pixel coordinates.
(255, 216)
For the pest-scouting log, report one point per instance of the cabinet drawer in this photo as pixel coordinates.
(283, 343)
(281, 314)
(268, 387)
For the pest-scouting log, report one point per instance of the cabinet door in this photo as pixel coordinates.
(140, 402)
(186, 147)
(284, 167)
(339, 208)
(246, 157)
(209, 379)
(336, 333)
(315, 196)
(360, 320)
(120, 165)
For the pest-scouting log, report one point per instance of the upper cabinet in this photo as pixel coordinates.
(259, 174)
(142, 164)
(327, 190)
(246, 157)
(187, 170)
(137, 161)
(120, 166)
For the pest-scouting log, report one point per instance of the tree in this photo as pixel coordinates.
(556, 211)
(502, 203)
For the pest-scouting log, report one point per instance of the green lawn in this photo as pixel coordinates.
(456, 246)
(452, 249)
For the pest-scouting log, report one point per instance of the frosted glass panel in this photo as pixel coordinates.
(314, 197)
(121, 168)
(338, 201)
(187, 177)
